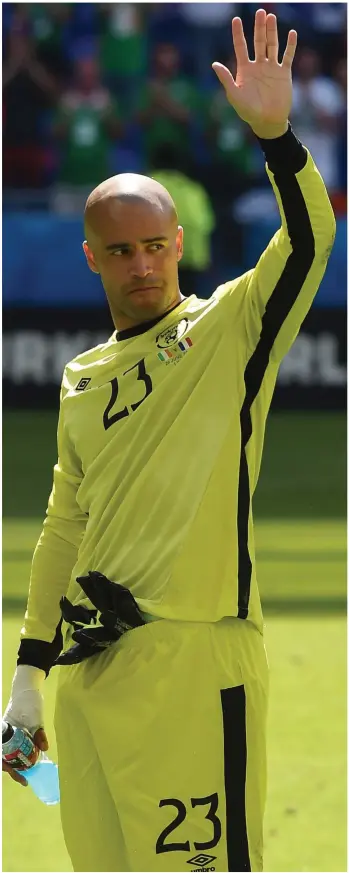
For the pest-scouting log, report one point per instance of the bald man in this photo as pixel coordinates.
(147, 547)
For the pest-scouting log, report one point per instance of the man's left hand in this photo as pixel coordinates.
(261, 93)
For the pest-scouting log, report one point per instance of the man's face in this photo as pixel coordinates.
(135, 247)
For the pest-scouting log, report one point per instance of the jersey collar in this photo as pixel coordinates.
(138, 329)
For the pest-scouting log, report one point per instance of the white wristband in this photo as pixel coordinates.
(26, 704)
(27, 678)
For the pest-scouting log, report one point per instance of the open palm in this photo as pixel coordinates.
(261, 93)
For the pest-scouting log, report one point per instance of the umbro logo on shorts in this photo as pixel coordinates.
(202, 861)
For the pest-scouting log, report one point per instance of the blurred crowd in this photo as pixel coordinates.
(91, 89)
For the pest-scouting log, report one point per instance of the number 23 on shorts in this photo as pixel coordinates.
(212, 802)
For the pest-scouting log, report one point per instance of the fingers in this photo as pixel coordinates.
(14, 775)
(224, 75)
(40, 740)
(260, 35)
(240, 45)
(226, 79)
(272, 39)
(266, 43)
(290, 49)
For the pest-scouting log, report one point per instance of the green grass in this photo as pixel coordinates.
(305, 826)
(301, 564)
(303, 472)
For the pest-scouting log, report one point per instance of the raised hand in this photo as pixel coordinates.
(261, 93)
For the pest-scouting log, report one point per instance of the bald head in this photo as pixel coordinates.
(133, 241)
(126, 188)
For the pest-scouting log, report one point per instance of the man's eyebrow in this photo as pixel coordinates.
(126, 245)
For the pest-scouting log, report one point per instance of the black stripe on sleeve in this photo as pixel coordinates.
(235, 762)
(277, 309)
(38, 653)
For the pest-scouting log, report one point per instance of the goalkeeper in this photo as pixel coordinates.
(143, 582)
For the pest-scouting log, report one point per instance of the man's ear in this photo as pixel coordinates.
(179, 243)
(90, 258)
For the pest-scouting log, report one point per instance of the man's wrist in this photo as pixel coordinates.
(27, 678)
(25, 707)
(270, 131)
(284, 154)
(40, 654)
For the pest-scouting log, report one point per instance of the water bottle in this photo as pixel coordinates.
(20, 751)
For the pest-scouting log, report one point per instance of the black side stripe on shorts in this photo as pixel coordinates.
(235, 759)
(277, 309)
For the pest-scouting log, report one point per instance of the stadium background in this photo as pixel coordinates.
(90, 90)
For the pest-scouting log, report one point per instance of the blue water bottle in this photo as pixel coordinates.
(20, 751)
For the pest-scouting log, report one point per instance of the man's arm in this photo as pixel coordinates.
(274, 298)
(278, 292)
(54, 558)
(53, 562)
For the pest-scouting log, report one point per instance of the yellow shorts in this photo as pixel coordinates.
(161, 747)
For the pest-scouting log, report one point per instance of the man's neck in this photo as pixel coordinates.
(142, 327)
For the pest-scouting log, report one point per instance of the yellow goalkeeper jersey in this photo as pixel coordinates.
(160, 438)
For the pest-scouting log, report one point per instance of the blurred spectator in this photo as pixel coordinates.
(116, 118)
(231, 145)
(28, 93)
(209, 31)
(123, 47)
(165, 24)
(85, 125)
(319, 25)
(329, 31)
(195, 214)
(81, 39)
(340, 75)
(169, 105)
(316, 110)
(50, 29)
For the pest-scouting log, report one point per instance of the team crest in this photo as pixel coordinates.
(172, 335)
(173, 343)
